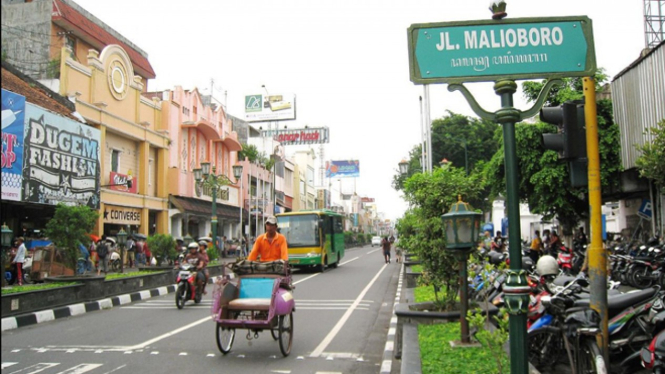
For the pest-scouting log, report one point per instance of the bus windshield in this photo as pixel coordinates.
(300, 230)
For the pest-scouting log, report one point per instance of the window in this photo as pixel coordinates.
(150, 168)
(115, 160)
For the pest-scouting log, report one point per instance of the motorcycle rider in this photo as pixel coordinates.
(270, 246)
(197, 260)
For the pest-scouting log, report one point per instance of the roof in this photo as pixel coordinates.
(197, 206)
(36, 93)
(643, 56)
(97, 35)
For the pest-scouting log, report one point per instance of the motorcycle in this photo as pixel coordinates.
(565, 260)
(187, 287)
(653, 355)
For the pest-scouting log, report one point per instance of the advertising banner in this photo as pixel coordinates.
(118, 182)
(343, 169)
(298, 136)
(260, 108)
(61, 160)
(13, 115)
(367, 199)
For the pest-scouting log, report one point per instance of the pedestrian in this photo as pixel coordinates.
(147, 255)
(103, 255)
(536, 248)
(487, 240)
(203, 249)
(555, 244)
(139, 255)
(546, 242)
(244, 245)
(19, 259)
(398, 253)
(385, 245)
(131, 250)
(580, 237)
(497, 242)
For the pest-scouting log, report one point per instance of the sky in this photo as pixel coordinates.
(345, 60)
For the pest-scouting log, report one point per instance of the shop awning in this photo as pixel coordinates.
(199, 207)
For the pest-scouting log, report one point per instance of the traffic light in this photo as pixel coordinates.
(570, 141)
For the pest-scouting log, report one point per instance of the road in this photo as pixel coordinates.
(340, 326)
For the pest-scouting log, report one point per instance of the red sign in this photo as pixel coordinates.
(118, 182)
(367, 199)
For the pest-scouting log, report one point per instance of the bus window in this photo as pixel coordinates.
(338, 228)
(300, 231)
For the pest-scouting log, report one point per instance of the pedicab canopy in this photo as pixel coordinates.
(461, 225)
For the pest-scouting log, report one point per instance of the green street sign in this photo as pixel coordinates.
(488, 50)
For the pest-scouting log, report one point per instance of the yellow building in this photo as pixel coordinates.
(135, 143)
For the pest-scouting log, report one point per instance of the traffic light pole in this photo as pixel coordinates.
(515, 288)
(597, 254)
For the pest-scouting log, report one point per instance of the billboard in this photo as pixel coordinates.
(343, 169)
(61, 160)
(261, 108)
(13, 115)
(298, 136)
(118, 182)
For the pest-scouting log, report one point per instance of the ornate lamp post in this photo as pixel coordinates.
(461, 226)
(403, 166)
(7, 235)
(122, 241)
(205, 178)
(237, 173)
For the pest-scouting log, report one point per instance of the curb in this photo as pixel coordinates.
(386, 364)
(47, 315)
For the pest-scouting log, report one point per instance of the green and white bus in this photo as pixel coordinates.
(315, 237)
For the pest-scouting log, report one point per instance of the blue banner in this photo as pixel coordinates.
(343, 169)
(13, 116)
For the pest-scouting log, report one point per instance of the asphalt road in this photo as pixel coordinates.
(340, 326)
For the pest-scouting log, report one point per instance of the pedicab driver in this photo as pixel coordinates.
(270, 246)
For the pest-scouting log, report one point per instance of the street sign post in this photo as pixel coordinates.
(488, 50)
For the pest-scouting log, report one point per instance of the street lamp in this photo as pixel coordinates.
(403, 166)
(7, 235)
(122, 241)
(237, 173)
(204, 177)
(461, 226)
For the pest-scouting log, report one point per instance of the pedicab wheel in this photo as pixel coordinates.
(275, 332)
(180, 294)
(285, 333)
(225, 338)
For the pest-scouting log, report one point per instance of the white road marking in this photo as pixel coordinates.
(36, 368)
(346, 262)
(331, 335)
(82, 368)
(306, 278)
(7, 364)
(116, 369)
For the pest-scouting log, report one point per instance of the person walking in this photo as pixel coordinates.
(536, 248)
(19, 259)
(103, 255)
(385, 245)
(130, 253)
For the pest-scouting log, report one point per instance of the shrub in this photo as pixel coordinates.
(70, 226)
(162, 247)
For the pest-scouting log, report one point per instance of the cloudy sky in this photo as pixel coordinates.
(346, 60)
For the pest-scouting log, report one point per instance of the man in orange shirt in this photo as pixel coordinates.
(270, 246)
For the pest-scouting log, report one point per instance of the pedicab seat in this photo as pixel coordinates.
(254, 294)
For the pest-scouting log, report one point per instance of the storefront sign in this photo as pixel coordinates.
(118, 182)
(121, 215)
(13, 114)
(61, 160)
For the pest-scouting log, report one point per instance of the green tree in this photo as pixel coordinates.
(421, 229)
(162, 247)
(254, 156)
(70, 226)
(650, 163)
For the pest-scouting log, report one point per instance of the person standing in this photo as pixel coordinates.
(487, 240)
(536, 247)
(546, 242)
(385, 245)
(19, 259)
(497, 242)
(131, 250)
(103, 255)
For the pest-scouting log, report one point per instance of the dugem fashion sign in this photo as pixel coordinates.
(522, 48)
(61, 160)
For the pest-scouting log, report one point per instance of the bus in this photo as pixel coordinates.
(315, 237)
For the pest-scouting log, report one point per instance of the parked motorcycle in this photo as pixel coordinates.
(187, 288)
(653, 355)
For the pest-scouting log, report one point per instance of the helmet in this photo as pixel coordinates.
(193, 245)
(547, 265)
(203, 243)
